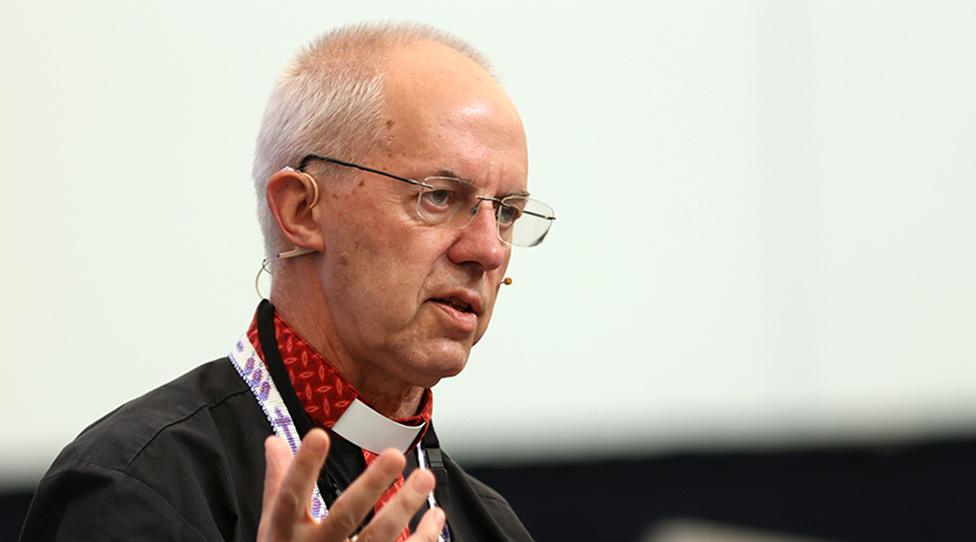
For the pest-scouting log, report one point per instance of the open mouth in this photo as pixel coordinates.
(456, 304)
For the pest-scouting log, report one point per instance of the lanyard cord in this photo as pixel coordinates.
(252, 371)
(440, 473)
(262, 382)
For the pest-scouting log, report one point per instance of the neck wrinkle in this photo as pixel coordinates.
(396, 403)
(388, 396)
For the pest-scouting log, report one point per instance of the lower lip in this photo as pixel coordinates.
(466, 321)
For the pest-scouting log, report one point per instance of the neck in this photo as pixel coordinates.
(387, 395)
(393, 400)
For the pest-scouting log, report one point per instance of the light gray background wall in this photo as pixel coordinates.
(765, 229)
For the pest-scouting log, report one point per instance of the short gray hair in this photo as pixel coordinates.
(329, 100)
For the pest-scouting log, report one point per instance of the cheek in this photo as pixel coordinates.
(375, 274)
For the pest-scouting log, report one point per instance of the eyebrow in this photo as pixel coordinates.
(449, 173)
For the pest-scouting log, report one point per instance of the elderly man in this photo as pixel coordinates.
(391, 177)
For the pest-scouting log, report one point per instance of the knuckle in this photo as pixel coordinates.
(288, 504)
(408, 502)
(343, 523)
(377, 482)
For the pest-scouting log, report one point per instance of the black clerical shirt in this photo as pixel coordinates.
(186, 462)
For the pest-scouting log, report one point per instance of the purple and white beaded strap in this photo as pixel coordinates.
(253, 372)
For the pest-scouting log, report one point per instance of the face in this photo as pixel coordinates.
(409, 299)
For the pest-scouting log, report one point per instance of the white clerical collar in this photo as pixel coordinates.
(372, 431)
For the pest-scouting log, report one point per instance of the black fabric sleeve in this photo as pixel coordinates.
(85, 501)
(476, 512)
(182, 462)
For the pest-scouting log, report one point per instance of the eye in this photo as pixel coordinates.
(438, 198)
(507, 214)
(440, 201)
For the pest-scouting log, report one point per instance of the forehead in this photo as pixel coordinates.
(444, 112)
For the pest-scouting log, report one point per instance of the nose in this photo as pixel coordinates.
(478, 242)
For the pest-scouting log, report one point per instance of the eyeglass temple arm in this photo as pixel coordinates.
(310, 157)
(547, 217)
(502, 202)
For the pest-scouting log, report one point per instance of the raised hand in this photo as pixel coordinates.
(288, 483)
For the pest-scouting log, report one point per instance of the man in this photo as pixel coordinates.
(391, 176)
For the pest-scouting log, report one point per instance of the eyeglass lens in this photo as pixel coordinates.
(452, 202)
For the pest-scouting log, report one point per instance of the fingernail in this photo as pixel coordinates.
(422, 482)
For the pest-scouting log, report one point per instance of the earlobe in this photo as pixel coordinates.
(292, 199)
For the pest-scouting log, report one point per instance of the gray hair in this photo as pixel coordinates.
(329, 100)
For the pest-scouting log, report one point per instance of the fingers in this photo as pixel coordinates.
(288, 487)
(277, 457)
(358, 499)
(430, 526)
(395, 514)
(290, 507)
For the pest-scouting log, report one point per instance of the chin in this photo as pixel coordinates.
(455, 369)
(450, 366)
(430, 374)
(447, 362)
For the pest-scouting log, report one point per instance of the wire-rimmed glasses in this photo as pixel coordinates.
(452, 202)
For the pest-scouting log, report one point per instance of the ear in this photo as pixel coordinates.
(292, 198)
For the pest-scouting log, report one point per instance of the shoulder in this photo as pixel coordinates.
(487, 493)
(118, 439)
(499, 520)
(179, 451)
